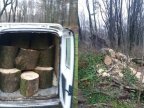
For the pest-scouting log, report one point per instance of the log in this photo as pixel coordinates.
(9, 79)
(45, 76)
(138, 61)
(57, 55)
(21, 41)
(7, 56)
(107, 60)
(40, 42)
(29, 83)
(55, 80)
(27, 59)
(46, 57)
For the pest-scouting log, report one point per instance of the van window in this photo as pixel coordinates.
(68, 52)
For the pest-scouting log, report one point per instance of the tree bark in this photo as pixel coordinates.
(40, 42)
(7, 56)
(9, 79)
(93, 35)
(27, 59)
(29, 83)
(20, 41)
(46, 58)
(57, 55)
(111, 29)
(5, 4)
(45, 76)
(80, 31)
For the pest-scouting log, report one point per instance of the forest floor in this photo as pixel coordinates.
(105, 90)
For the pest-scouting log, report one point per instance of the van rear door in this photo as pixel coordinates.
(66, 69)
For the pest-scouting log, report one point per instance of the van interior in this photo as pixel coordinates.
(33, 40)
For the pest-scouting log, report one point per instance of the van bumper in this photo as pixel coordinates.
(51, 103)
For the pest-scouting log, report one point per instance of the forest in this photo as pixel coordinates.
(111, 50)
(113, 23)
(63, 12)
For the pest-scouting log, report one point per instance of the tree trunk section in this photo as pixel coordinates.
(7, 56)
(45, 76)
(40, 42)
(46, 58)
(57, 55)
(29, 83)
(27, 59)
(20, 41)
(9, 79)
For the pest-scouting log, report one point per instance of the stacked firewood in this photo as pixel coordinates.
(27, 69)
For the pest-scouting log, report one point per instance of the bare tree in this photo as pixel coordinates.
(5, 4)
(93, 36)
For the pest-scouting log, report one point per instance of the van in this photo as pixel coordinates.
(22, 35)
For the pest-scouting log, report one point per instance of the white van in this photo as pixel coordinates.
(60, 95)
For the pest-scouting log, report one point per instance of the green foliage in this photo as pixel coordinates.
(89, 83)
(89, 80)
(98, 97)
(129, 78)
(89, 77)
(90, 70)
(120, 104)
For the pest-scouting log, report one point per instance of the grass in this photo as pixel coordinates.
(89, 71)
(75, 92)
(117, 104)
(129, 78)
(89, 80)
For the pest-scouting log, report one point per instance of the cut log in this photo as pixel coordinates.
(55, 80)
(121, 56)
(107, 60)
(40, 42)
(57, 55)
(46, 57)
(7, 56)
(9, 79)
(21, 41)
(45, 76)
(29, 83)
(138, 61)
(27, 59)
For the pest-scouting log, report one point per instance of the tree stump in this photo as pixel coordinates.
(27, 59)
(29, 83)
(9, 79)
(45, 76)
(7, 56)
(46, 57)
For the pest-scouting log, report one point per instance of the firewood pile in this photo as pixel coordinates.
(114, 76)
(27, 69)
(115, 65)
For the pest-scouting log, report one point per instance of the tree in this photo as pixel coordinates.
(5, 4)
(93, 36)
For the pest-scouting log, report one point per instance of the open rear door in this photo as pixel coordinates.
(66, 69)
